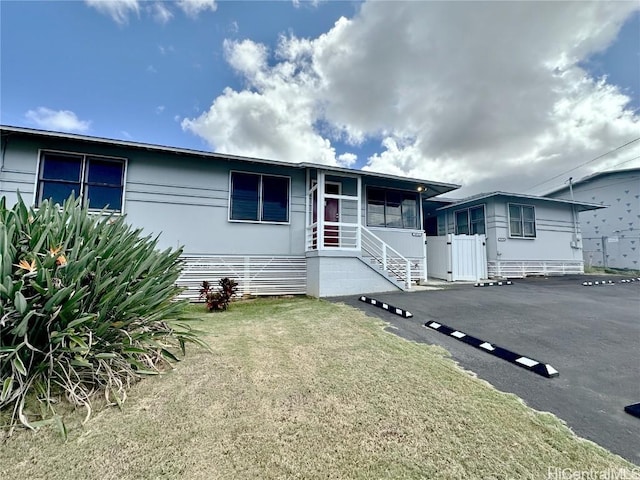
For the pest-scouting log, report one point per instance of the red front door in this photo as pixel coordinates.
(331, 214)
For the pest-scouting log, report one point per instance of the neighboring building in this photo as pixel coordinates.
(525, 234)
(275, 227)
(612, 236)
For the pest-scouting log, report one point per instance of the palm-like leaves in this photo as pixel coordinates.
(85, 302)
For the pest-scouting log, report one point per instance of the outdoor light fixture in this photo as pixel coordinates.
(421, 188)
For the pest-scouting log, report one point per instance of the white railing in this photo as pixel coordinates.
(353, 237)
(522, 268)
(336, 235)
(386, 257)
(255, 274)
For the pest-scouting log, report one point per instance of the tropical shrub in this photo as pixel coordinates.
(85, 301)
(220, 299)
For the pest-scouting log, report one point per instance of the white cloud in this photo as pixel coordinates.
(273, 118)
(160, 12)
(246, 57)
(160, 109)
(164, 50)
(118, 10)
(57, 120)
(488, 94)
(121, 10)
(193, 8)
(297, 3)
(347, 159)
(151, 69)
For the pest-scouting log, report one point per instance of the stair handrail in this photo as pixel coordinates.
(389, 256)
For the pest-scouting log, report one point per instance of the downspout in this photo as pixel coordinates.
(573, 215)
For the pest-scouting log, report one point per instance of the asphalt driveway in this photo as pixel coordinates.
(591, 335)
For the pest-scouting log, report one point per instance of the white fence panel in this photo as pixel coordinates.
(521, 269)
(256, 275)
(457, 257)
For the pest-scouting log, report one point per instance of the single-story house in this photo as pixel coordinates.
(611, 237)
(523, 234)
(275, 227)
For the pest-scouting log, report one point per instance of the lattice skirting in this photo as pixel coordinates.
(256, 275)
(520, 269)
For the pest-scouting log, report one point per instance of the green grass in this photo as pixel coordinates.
(301, 388)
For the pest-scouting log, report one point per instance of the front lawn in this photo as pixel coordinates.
(302, 388)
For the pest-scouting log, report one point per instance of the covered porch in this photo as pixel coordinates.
(363, 232)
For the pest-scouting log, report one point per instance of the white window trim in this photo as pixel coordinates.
(535, 222)
(399, 229)
(260, 174)
(124, 160)
(468, 210)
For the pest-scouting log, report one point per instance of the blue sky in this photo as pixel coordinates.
(132, 80)
(493, 95)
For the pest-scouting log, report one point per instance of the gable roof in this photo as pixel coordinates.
(431, 188)
(582, 206)
(592, 177)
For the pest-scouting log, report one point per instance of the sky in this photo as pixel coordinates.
(510, 96)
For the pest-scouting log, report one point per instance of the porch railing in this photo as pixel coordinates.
(336, 235)
(386, 257)
(356, 238)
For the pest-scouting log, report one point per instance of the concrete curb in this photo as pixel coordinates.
(386, 306)
(527, 363)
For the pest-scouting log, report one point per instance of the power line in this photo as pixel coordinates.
(583, 164)
(596, 173)
(626, 161)
(591, 189)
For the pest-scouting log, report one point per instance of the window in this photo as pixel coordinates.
(259, 198)
(462, 222)
(470, 221)
(522, 221)
(392, 208)
(99, 181)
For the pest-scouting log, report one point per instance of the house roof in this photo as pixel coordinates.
(592, 177)
(582, 206)
(431, 188)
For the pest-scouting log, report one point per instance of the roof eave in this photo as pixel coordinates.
(432, 188)
(582, 206)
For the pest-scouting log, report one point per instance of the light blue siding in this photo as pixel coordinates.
(554, 231)
(185, 199)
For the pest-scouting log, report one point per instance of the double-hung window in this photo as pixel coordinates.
(522, 221)
(98, 181)
(392, 208)
(470, 221)
(259, 198)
